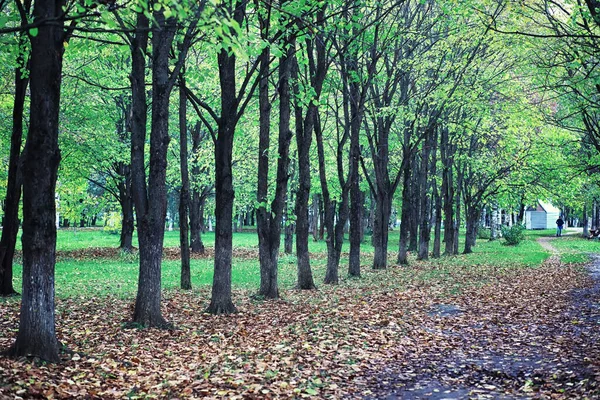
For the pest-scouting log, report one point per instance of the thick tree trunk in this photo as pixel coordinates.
(221, 300)
(10, 223)
(36, 336)
(184, 195)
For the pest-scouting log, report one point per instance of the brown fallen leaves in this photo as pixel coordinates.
(347, 341)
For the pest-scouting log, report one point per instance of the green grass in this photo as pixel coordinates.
(100, 277)
(575, 249)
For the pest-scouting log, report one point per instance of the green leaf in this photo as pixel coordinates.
(33, 32)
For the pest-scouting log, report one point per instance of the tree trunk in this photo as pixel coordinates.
(198, 197)
(356, 198)
(405, 216)
(36, 336)
(494, 226)
(304, 130)
(289, 238)
(126, 202)
(10, 223)
(380, 229)
(150, 200)
(446, 152)
(269, 223)
(415, 218)
(221, 301)
(472, 216)
(315, 217)
(586, 230)
(335, 230)
(424, 196)
(437, 239)
(184, 195)
(457, 199)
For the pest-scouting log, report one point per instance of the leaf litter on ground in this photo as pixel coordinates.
(518, 333)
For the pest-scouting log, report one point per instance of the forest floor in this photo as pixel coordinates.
(527, 336)
(524, 333)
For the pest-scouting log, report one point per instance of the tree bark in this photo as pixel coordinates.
(151, 199)
(184, 195)
(405, 216)
(494, 226)
(315, 217)
(457, 199)
(446, 152)
(415, 218)
(36, 336)
(269, 223)
(425, 197)
(586, 229)
(10, 223)
(304, 130)
(126, 202)
(221, 301)
(198, 196)
(472, 214)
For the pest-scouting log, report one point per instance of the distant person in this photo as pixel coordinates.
(559, 226)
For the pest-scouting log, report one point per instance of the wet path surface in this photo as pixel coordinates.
(535, 337)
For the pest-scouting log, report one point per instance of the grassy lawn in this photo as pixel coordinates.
(89, 277)
(575, 249)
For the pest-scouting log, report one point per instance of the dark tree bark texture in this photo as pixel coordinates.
(10, 226)
(36, 336)
(184, 195)
(269, 223)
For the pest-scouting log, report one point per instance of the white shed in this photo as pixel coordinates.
(543, 217)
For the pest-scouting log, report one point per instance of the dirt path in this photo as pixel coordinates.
(534, 335)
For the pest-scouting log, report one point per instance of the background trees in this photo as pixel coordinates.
(433, 111)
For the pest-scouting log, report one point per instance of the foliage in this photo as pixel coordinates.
(513, 235)
(484, 233)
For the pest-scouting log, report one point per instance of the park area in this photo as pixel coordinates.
(502, 322)
(339, 199)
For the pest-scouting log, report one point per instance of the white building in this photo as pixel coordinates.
(543, 217)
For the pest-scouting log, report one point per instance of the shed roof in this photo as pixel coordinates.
(549, 208)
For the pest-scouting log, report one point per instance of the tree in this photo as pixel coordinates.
(184, 195)
(10, 224)
(150, 198)
(36, 336)
(269, 222)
